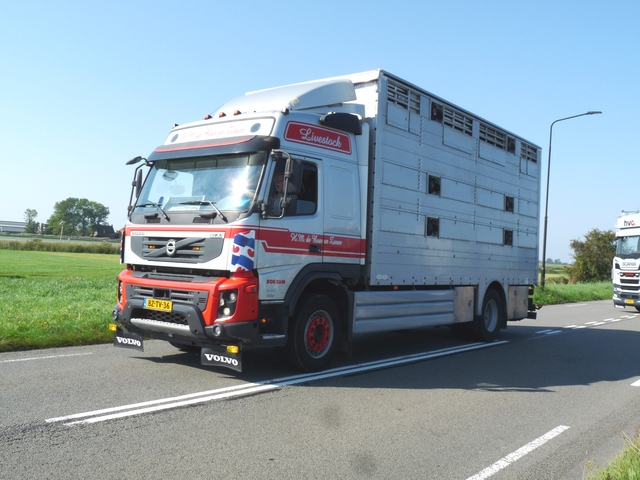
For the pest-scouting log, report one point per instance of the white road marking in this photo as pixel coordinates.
(573, 305)
(518, 454)
(47, 357)
(636, 384)
(252, 388)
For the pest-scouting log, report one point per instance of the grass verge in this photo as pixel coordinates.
(626, 466)
(557, 293)
(55, 299)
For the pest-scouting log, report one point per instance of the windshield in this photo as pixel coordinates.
(627, 247)
(226, 182)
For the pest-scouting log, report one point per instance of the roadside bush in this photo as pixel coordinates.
(38, 245)
(593, 256)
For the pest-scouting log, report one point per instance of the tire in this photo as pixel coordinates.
(487, 325)
(313, 334)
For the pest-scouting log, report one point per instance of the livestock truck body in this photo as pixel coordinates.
(304, 215)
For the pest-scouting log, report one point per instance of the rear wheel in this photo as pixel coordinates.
(313, 334)
(487, 325)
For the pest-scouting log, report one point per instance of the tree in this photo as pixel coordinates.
(30, 217)
(76, 216)
(593, 256)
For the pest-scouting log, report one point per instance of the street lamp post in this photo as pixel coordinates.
(546, 206)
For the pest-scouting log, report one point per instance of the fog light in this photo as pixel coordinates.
(217, 330)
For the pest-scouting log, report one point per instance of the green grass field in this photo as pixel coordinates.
(53, 299)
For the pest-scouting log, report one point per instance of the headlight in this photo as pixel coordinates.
(227, 304)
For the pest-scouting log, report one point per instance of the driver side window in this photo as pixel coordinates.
(302, 200)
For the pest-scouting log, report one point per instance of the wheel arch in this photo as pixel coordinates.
(329, 283)
(500, 290)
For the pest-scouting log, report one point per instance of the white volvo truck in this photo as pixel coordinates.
(625, 271)
(304, 215)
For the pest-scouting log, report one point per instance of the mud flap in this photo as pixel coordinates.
(130, 340)
(219, 357)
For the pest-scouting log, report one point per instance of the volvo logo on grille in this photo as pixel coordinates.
(171, 247)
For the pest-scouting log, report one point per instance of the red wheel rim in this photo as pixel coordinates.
(318, 334)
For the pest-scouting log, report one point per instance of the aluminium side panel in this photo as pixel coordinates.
(453, 199)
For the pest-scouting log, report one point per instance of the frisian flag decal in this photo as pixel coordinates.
(243, 251)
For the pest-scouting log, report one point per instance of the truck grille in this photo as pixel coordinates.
(177, 249)
(191, 297)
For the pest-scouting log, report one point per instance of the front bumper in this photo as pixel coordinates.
(623, 298)
(193, 330)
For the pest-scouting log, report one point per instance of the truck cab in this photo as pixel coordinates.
(238, 218)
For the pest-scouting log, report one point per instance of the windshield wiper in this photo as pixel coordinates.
(158, 206)
(206, 202)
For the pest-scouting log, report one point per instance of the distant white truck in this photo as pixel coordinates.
(625, 271)
(304, 215)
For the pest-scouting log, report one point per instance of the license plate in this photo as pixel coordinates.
(153, 304)
(629, 301)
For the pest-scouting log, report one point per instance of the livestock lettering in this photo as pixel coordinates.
(318, 137)
(308, 135)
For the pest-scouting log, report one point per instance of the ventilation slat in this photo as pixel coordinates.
(403, 97)
(458, 121)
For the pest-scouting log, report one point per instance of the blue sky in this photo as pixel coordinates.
(85, 86)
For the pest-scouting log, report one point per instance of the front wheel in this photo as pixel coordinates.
(313, 334)
(487, 325)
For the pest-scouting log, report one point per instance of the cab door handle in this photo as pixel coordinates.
(314, 248)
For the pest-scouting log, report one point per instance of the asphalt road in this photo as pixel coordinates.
(552, 397)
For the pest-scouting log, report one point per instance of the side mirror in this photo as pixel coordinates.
(138, 183)
(293, 173)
